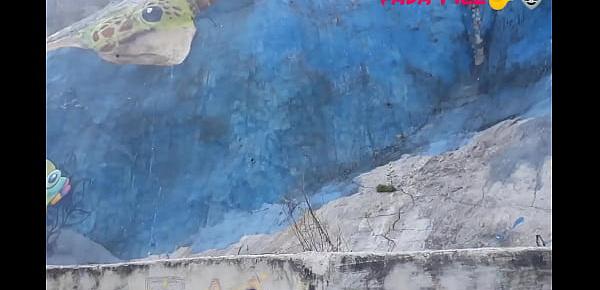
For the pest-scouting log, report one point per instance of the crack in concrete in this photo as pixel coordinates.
(391, 242)
(537, 185)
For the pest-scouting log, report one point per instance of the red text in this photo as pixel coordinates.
(428, 2)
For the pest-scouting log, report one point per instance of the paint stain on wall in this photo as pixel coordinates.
(215, 284)
(165, 283)
(253, 283)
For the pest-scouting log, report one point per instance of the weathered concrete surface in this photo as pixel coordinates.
(468, 269)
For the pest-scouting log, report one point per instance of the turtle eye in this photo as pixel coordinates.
(152, 13)
(52, 178)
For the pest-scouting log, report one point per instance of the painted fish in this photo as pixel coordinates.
(145, 32)
(57, 186)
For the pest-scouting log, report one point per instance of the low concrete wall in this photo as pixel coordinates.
(486, 269)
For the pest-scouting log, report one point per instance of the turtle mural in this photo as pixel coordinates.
(144, 32)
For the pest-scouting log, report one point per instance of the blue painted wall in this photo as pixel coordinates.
(274, 90)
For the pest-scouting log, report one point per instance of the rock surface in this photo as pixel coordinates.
(494, 191)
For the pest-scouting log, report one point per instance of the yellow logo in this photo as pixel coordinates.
(498, 4)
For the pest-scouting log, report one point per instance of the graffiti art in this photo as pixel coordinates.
(148, 32)
(57, 186)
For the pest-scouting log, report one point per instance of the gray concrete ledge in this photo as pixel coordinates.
(464, 269)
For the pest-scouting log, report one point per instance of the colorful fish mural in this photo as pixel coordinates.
(57, 186)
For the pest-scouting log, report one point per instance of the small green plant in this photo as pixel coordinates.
(385, 188)
(390, 178)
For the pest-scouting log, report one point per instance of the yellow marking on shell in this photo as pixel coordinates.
(56, 199)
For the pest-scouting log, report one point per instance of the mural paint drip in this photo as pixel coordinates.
(215, 284)
(253, 283)
(165, 283)
(518, 222)
(505, 235)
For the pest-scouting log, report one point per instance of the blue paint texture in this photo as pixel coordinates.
(518, 222)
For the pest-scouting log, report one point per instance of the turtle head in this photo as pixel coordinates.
(145, 32)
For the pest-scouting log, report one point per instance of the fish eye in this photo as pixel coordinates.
(52, 178)
(152, 13)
